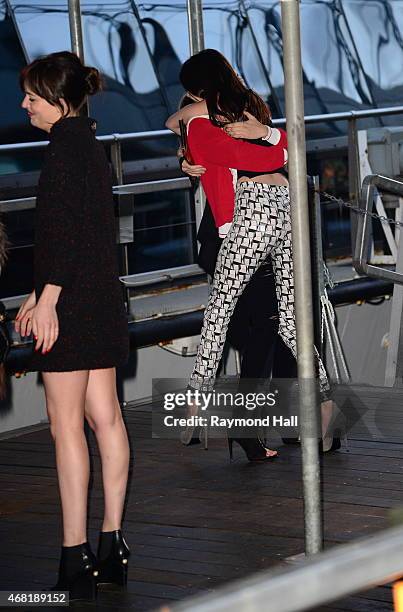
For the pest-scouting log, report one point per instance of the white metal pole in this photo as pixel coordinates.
(195, 22)
(76, 32)
(196, 44)
(294, 99)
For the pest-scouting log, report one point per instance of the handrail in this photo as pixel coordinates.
(109, 138)
(309, 119)
(361, 256)
(321, 579)
(124, 208)
(28, 203)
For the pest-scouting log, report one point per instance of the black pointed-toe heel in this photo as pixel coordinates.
(253, 448)
(113, 558)
(77, 572)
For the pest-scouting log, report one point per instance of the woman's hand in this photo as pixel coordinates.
(45, 326)
(45, 323)
(188, 168)
(23, 320)
(251, 129)
(192, 170)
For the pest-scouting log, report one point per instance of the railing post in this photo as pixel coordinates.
(116, 160)
(302, 274)
(318, 277)
(117, 165)
(196, 44)
(354, 174)
(76, 37)
(195, 23)
(76, 31)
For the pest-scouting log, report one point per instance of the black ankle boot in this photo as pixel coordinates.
(76, 572)
(113, 558)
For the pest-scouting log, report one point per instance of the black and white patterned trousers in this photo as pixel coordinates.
(261, 227)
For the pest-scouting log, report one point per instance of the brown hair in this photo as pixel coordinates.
(61, 75)
(209, 75)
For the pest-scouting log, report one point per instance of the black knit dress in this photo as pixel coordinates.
(75, 248)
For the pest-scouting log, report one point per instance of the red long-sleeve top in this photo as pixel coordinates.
(212, 148)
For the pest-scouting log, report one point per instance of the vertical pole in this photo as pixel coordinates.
(196, 44)
(117, 165)
(354, 175)
(76, 37)
(318, 276)
(302, 274)
(394, 358)
(195, 23)
(76, 31)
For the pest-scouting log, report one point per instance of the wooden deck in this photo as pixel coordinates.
(195, 521)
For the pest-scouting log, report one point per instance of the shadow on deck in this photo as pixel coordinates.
(195, 521)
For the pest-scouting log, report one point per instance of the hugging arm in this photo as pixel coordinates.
(185, 114)
(208, 143)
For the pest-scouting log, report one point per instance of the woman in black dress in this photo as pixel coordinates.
(76, 314)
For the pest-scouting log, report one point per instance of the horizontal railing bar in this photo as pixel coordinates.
(140, 279)
(324, 578)
(19, 204)
(152, 186)
(168, 274)
(165, 226)
(309, 119)
(345, 116)
(108, 138)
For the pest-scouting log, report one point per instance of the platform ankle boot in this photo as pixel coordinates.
(113, 558)
(77, 572)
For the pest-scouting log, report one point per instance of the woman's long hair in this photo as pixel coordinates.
(210, 76)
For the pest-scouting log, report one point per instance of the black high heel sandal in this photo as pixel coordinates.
(253, 448)
(113, 558)
(77, 572)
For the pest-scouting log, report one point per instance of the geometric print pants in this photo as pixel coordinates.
(261, 227)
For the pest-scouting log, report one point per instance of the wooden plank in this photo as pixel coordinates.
(195, 521)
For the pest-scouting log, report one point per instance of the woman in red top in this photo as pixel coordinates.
(261, 224)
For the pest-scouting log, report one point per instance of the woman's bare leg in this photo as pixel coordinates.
(103, 413)
(65, 400)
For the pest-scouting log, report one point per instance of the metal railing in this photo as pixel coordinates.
(371, 185)
(324, 578)
(124, 196)
(116, 140)
(308, 119)
(122, 190)
(18, 204)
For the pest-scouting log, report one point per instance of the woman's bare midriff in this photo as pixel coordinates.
(268, 179)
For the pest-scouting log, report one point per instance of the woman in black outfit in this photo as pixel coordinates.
(76, 314)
